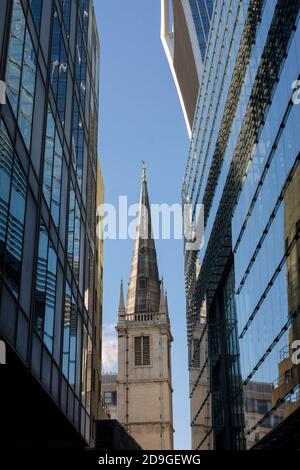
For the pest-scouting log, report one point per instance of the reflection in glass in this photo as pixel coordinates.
(74, 228)
(36, 9)
(6, 165)
(52, 169)
(84, 365)
(84, 11)
(59, 67)
(70, 337)
(12, 211)
(15, 54)
(202, 13)
(21, 73)
(268, 292)
(45, 292)
(27, 90)
(77, 144)
(81, 61)
(86, 375)
(66, 13)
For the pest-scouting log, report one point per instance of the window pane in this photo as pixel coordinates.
(74, 229)
(53, 169)
(67, 316)
(56, 182)
(36, 9)
(66, 10)
(50, 297)
(6, 164)
(77, 144)
(27, 90)
(15, 53)
(70, 337)
(45, 291)
(21, 72)
(59, 67)
(48, 162)
(15, 232)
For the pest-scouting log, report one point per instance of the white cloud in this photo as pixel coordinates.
(109, 348)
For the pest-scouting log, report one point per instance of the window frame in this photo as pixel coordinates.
(143, 362)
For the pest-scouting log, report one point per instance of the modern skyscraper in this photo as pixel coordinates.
(243, 166)
(50, 258)
(185, 26)
(144, 384)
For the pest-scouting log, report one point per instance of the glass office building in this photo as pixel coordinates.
(185, 26)
(244, 284)
(50, 273)
(202, 12)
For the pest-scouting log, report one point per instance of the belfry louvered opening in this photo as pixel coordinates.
(142, 350)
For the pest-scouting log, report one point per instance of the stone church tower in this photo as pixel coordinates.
(144, 345)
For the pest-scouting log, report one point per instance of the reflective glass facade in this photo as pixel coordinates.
(50, 258)
(202, 12)
(243, 166)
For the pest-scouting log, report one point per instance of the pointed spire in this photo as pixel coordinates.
(144, 171)
(121, 309)
(166, 302)
(144, 283)
(162, 295)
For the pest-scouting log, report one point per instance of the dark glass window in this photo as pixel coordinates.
(21, 73)
(80, 64)
(70, 337)
(12, 211)
(110, 398)
(84, 6)
(52, 169)
(27, 90)
(45, 291)
(77, 143)
(59, 67)
(272, 421)
(15, 55)
(86, 372)
(66, 13)
(74, 228)
(258, 406)
(36, 10)
(202, 13)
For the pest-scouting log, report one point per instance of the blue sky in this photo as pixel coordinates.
(141, 119)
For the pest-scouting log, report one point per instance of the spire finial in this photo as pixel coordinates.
(121, 302)
(144, 171)
(166, 298)
(162, 303)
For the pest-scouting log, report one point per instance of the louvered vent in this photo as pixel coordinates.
(142, 350)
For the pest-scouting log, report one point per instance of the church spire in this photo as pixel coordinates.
(162, 295)
(163, 304)
(144, 283)
(121, 309)
(166, 302)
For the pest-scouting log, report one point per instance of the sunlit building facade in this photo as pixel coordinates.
(50, 258)
(243, 166)
(185, 26)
